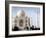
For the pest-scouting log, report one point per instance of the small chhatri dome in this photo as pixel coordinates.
(20, 13)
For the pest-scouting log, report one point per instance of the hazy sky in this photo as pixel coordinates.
(31, 11)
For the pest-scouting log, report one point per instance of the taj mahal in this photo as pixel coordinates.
(21, 21)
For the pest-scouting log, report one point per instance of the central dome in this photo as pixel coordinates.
(20, 13)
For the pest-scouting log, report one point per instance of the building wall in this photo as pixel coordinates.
(26, 22)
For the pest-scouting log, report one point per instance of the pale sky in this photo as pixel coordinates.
(31, 11)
